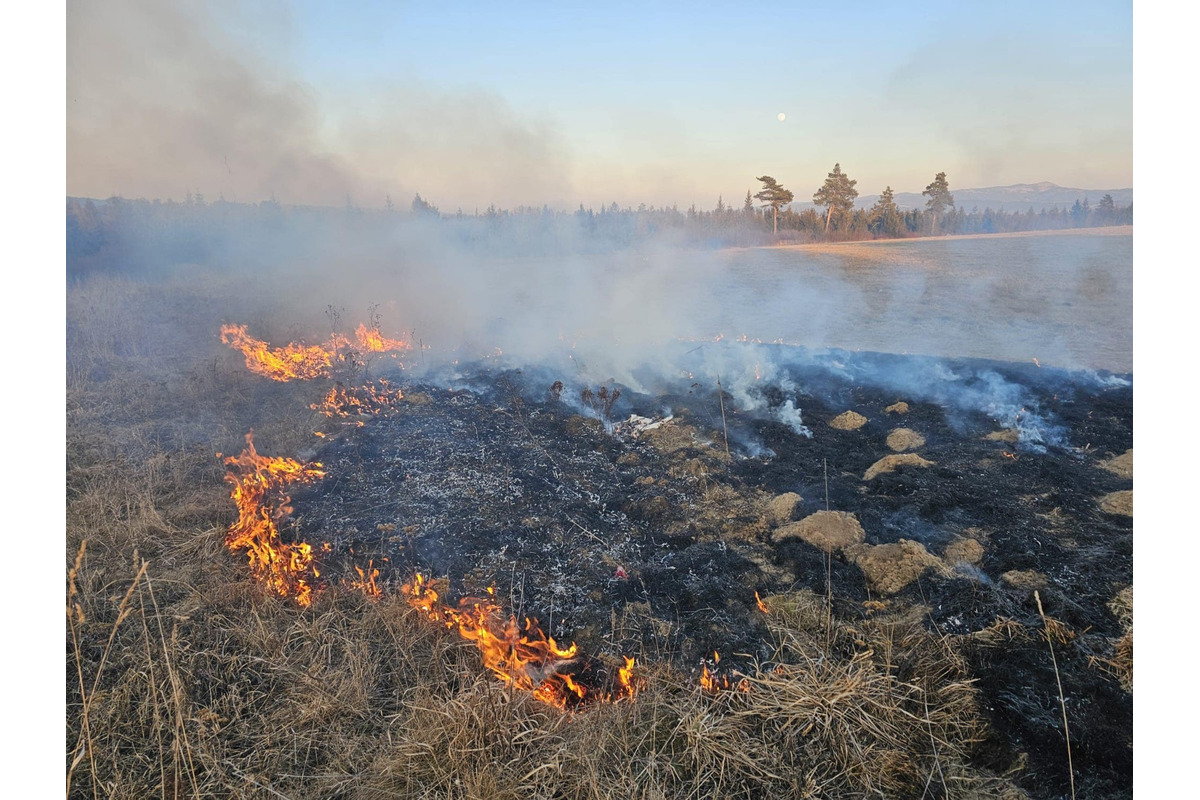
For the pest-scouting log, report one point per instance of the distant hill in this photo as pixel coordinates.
(1018, 197)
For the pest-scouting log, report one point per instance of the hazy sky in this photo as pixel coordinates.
(564, 104)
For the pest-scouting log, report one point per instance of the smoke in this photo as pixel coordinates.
(162, 101)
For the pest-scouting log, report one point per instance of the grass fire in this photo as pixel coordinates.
(721, 565)
(490, 406)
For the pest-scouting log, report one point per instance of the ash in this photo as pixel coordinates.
(656, 543)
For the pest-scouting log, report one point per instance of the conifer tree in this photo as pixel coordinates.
(772, 195)
(837, 193)
(940, 198)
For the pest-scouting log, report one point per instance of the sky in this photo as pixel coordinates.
(561, 104)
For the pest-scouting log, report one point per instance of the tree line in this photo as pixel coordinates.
(841, 220)
(118, 233)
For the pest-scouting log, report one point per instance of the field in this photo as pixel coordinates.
(188, 676)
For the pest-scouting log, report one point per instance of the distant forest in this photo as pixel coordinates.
(121, 235)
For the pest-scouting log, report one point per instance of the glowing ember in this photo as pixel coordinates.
(259, 492)
(715, 682)
(370, 399)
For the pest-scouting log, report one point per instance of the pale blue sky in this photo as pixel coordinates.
(677, 103)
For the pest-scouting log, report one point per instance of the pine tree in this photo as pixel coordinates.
(884, 217)
(939, 198)
(772, 195)
(837, 193)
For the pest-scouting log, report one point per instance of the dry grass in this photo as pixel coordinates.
(186, 679)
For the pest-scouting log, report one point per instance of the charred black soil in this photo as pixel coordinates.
(654, 541)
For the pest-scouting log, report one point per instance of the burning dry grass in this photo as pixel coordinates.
(212, 687)
(186, 678)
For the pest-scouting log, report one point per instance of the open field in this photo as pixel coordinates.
(187, 678)
(1063, 297)
(1111, 230)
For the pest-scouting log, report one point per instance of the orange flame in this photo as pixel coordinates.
(366, 580)
(371, 340)
(525, 658)
(291, 362)
(372, 399)
(761, 605)
(262, 503)
(521, 656)
(715, 682)
(625, 678)
(303, 362)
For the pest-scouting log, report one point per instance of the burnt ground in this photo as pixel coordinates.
(656, 544)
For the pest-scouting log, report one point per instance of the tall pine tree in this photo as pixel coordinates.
(837, 193)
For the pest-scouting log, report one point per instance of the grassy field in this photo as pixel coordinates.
(186, 679)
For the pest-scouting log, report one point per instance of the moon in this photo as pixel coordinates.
(782, 116)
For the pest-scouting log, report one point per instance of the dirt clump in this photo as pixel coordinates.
(670, 439)
(1118, 503)
(890, 567)
(889, 464)
(848, 421)
(693, 467)
(903, 439)
(1121, 466)
(897, 408)
(1029, 579)
(578, 425)
(964, 551)
(1120, 663)
(782, 508)
(827, 530)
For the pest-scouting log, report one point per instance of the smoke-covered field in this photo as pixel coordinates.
(193, 672)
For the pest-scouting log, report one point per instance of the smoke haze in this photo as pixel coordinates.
(162, 102)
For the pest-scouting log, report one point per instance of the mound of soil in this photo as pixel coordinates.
(848, 421)
(1118, 503)
(903, 439)
(890, 567)
(889, 464)
(825, 530)
(964, 551)
(1029, 579)
(782, 509)
(1121, 466)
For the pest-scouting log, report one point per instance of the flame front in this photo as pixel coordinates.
(520, 655)
(296, 361)
(259, 492)
(287, 363)
(523, 657)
